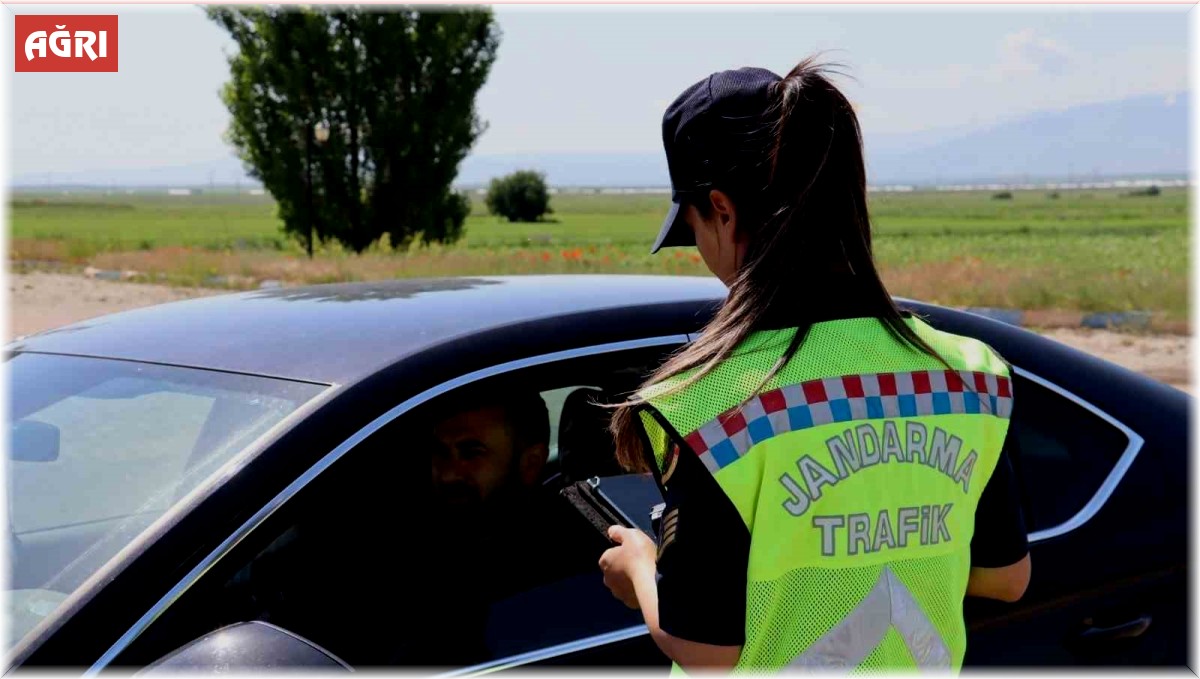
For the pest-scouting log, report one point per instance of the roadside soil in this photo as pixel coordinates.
(1163, 357)
(40, 301)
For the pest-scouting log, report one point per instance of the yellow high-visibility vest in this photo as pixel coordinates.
(857, 470)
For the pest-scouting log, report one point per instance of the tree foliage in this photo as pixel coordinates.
(1151, 190)
(394, 91)
(521, 196)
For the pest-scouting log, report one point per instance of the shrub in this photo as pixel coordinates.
(1148, 191)
(520, 197)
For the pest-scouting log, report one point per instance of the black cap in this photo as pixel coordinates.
(704, 132)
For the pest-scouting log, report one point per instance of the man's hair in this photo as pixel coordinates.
(525, 412)
(527, 415)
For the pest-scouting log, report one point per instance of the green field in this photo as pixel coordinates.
(1088, 250)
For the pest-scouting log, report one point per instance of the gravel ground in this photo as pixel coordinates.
(1163, 357)
(40, 301)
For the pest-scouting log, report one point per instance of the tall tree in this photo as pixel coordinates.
(356, 119)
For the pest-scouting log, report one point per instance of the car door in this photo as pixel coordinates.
(343, 560)
(1107, 585)
(1103, 468)
(1103, 487)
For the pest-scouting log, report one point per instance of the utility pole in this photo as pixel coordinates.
(308, 134)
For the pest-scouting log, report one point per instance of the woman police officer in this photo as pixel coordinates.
(836, 471)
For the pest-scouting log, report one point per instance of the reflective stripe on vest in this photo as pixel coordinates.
(888, 605)
(729, 436)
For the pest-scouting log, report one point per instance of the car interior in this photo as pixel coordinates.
(585, 447)
(356, 563)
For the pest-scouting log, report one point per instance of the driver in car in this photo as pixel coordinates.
(415, 581)
(497, 530)
(488, 452)
(429, 569)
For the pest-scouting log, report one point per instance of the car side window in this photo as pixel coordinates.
(1066, 451)
(555, 400)
(384, 565)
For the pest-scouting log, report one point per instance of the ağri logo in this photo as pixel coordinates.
(86, 43)
(60, 43)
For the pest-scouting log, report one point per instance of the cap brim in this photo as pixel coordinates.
(675, 231)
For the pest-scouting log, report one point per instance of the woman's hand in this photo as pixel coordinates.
(630, 571)
(631, 560)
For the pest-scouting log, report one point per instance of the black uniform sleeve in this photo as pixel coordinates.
(704, 550)
(1000, 537)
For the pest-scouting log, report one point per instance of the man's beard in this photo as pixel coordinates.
(457, 495)
(463, 504)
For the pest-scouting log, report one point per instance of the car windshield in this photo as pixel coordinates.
(99, 449)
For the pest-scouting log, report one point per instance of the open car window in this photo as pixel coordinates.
(384, 567)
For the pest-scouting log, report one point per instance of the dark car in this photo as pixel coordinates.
(236, 481)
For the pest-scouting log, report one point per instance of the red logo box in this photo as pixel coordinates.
(69, 43)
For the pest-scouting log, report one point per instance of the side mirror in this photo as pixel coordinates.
(247, 646)
(34, 441)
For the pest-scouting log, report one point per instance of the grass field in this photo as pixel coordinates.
(1087, 250)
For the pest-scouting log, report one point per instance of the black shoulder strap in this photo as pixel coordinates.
(647, 447)
(673, 437)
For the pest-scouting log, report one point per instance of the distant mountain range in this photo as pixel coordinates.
(1142, 135)
(1146, 135)
(220, 172)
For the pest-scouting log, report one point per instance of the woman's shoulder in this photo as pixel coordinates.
(966, 352)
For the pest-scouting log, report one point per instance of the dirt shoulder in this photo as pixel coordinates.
(40, 301)
(1163, 357)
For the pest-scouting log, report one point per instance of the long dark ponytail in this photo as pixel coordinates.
(812, 209)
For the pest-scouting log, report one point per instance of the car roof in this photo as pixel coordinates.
(340, 333)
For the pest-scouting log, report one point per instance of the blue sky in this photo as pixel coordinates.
(583, 79)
